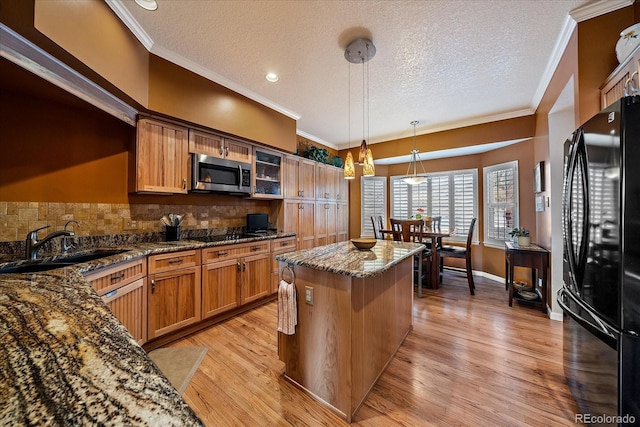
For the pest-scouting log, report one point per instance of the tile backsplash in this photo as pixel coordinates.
(18, 218)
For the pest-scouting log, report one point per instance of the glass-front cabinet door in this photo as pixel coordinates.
(267, 177)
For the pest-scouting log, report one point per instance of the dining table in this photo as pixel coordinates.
(433, 237)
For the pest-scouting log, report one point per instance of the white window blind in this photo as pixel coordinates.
(464, 186)
(451, 195)
(501, 197)
(373, 202)
(400, 206)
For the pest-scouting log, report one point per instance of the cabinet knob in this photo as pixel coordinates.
(184, 183)
(226, 151)
(221, 150)
(153, 286)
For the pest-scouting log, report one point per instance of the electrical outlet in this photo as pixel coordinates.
(130, 224)
(308, 295)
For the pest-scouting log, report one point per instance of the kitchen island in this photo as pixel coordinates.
(354, 312)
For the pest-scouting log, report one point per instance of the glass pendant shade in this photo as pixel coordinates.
(368, 169)
(349, 167)
(414, 178)
(363, 151)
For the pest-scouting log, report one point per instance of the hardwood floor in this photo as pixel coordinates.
(470, 360)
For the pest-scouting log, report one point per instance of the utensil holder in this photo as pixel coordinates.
(172, 233)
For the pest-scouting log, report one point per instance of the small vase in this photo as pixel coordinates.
(524, 240)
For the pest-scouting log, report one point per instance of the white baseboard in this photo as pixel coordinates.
(550, 314)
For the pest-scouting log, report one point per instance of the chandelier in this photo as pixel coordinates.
(415, 179)
(360, 50)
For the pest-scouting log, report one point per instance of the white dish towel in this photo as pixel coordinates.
(287, 308)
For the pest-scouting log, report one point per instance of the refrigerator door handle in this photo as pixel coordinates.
(599, 328)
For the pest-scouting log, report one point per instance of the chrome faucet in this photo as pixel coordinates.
(65, 244)
(33, 245)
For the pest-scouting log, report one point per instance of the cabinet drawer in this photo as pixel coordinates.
(107, 279)
(173, 261)
(284, 243)
(220, 253)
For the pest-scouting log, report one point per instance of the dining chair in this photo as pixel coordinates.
(377, 226)
(461, 252)
(411, 230)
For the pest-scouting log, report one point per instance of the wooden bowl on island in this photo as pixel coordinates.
(364, 244)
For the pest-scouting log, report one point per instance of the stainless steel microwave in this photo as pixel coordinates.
(213, 174)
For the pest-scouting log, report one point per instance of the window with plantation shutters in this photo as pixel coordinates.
(464, 190)
(400, 206)
(501, 202)
(373, 202)
(440, 199)
(453, 196)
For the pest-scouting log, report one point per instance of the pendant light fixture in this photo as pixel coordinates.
(349, 166)
(361, 50)
(414, 178)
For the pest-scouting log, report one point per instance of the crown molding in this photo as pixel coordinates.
(131, 23)
(598, 8)
(316, 139)
(188, 64)
(577, 15)
(148, 43)
(25, 54)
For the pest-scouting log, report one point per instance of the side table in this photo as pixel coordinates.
(532, 256)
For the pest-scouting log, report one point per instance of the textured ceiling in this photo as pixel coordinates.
(444, 63)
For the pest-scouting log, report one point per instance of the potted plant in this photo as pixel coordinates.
(521, 235)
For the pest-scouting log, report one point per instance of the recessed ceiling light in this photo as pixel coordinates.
(272, 77)
(147, 4)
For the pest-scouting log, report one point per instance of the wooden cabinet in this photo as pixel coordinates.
(342, 214)
(279, 246)
(267, 174)
(299, 178)
(219, 287)
(123, 288)
(326, 225)
(233, 275)
(320, 221)
(201, 142)
(328, 183)
(255, 277)
(161, 157)
(299, 217)
(342, 187)
(623, 79)
(173, 291)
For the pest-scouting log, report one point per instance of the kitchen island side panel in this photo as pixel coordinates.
(344, 341)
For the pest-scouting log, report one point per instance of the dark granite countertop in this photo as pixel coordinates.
(344, 258)
(67, 360)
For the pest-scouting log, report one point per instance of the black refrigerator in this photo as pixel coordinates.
(601, 265)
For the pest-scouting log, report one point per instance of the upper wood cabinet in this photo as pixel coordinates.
(299, 178)
(624, 78)
(330, 183)
(267, 174)
(162, 157)
(201, 142)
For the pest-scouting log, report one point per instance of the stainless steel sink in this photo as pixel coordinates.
(66, 261)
